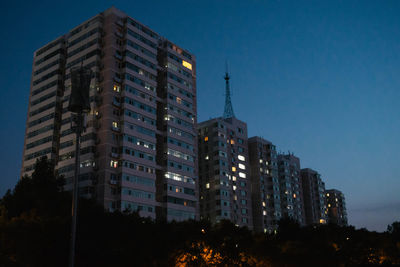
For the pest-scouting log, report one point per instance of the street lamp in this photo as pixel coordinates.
(79, 104)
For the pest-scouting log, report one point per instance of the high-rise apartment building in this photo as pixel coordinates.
(336, 207)
(140, 145)
(224, 175)
(314, 196)
(291, 187)
(265, 190)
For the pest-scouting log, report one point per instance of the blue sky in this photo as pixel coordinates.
(318, 78)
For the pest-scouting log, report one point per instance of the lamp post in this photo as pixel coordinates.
(79, 104)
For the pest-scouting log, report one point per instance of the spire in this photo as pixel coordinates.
(228, 110)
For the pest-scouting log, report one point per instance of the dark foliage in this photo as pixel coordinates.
(35, 231)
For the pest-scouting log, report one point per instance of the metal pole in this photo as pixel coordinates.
(75, 195)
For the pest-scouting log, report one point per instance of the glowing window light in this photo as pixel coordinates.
(241, 166)
(242, 175)
(240, 157)
(187, 64)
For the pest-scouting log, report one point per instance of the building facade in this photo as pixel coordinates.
(140, 145)
(336, 207)
(265, 189)
(224, 175)
(291, 189)
(314, 197)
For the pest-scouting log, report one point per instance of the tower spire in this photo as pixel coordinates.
(228, 110)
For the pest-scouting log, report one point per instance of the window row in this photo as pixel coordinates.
(179, 177)
(135, 166)
(39, 142)
(41, 109)
(48, 66)
(140, 129)
(180, 166)
(139, 154)
(141, 49)
(180, 143)
(137, 193)
(139, 141)
(140, 105)
(139, 117)
(138, 180)
(40, 131)
(140, 59)
(178, 121)
(136, 92)
(180, 132)
(180, 100)
(140, 82)
(180, 155)
(140, 71)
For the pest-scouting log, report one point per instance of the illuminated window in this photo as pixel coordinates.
(117, 88)
(327, 194)
(261, 161)
(329, 205)
(115, 124)
(263, 203)
(233, 178)
(114, 164)
(207, 157)
(179, 100)
(234, 187)
(240, 157)
(242, 175)
(206, 139)
(232, 142)
(187, 64)
(241, 166)
(321, 221)
(233, 168)
(207, 185)
(294, 195)
(264, 212)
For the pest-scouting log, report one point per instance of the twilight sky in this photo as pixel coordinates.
(318, 78)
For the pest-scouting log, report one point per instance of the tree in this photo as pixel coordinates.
(41, 194)
(394, 230)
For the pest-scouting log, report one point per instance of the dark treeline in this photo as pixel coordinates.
(35, 231)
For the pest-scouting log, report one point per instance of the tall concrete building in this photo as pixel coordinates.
(265, 190)
(336, 207)
(224, 175)
(314, 196)
(290, 185)
(140, 145)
